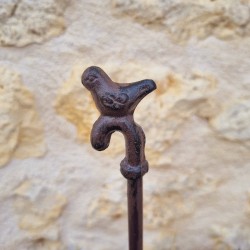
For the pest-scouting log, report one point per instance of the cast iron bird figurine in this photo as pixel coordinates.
(116, 103)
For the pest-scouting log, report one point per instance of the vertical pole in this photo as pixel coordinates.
(135, 214)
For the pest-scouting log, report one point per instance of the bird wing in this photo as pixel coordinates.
(115, 101)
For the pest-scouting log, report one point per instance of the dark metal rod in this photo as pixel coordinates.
(135, 214)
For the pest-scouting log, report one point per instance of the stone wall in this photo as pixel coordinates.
(56, 192)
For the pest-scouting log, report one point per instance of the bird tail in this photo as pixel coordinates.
(138, 90)
(146, 87)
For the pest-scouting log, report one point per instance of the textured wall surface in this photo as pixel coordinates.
(56, 192)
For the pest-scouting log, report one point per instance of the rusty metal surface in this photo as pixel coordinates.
(116, 103)
(135, 213)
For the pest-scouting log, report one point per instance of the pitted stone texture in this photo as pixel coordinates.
(108, 207)
(233, 122)
(184, 20)
(196, 126)
(75, 103)
(21, 128)
(169, 200)
(23, 22)
(38, 208)
(224, 238)
(176, 99)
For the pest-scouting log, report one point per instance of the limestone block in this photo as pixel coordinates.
(233, 122)
(21, 128)
(230, 237)
(23, 22)
(75, 103)
(172, 200)
(168, 199)
(161, 114)
(109, 206)
(38, 208)
(177, 99)
(184, 20)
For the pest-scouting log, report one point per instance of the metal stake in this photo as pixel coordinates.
(116, 103)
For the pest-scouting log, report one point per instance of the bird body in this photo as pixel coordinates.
(111, 98)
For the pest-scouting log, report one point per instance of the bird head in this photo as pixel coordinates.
(93, 77)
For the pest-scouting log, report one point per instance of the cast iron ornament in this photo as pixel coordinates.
(116, 103)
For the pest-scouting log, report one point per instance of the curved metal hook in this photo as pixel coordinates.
(116, 103)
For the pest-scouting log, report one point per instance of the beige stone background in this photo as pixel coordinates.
(56, 192)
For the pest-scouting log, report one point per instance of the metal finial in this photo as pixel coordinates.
(116, 103)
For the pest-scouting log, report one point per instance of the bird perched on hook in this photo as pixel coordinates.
(111, 98)
(116, 103)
